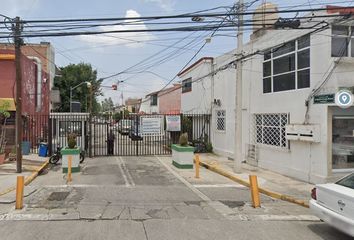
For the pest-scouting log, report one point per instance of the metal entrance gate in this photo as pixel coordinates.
(136, 135)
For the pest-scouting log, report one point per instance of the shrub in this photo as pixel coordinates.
(183, 139)
(72, 140)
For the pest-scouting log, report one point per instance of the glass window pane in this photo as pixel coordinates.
(284, 64)
(339, 47)
(303, 59)
(303, 42)
(267, 85)
(303, 79)
(267, 69)
(288, 47)
(284, 82)
(342, 143)
(340, 30)
(267, 55)
(352, 50)
(348, 181)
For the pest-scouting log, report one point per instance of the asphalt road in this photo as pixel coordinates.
(141, 198)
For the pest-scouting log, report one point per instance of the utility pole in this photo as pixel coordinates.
(238, 97)
(18, 42)
(90, 121)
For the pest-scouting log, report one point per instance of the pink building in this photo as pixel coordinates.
(170, 100)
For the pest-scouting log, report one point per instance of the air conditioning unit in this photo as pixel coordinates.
(303, 132)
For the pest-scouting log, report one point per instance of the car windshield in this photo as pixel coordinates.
(347, 181)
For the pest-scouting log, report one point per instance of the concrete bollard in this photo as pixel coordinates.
(70, 158)
(19, 192)
(197, 165)
(254, 191)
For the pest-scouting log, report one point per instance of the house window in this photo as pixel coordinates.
(342, 41)
(187, 85)
(221, 120)
(270, 129)
(287, 67)
(153, 100)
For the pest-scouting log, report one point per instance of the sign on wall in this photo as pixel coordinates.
(173, 123)
(323, 99)
(344, 99)
(151, 126)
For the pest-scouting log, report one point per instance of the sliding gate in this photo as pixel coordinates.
(135, 135)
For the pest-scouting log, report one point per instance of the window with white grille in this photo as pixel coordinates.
(220, 120)
(270, 129)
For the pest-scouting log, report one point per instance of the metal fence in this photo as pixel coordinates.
(103, 134)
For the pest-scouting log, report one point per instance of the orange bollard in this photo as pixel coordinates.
(197, 165)
(70, 158)
(254, 191)
(19, 192)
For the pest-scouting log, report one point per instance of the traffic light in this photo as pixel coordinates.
(114, 86)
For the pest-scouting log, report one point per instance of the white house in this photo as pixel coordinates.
(208, 87)
(291, 123)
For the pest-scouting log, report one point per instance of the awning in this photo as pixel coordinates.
(8, 104)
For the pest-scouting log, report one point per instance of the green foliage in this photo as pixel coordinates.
(73, 75)
(72, 140)
(183, 139)
(107, 105)
(209, 147)
(186, 124)
(4, 110)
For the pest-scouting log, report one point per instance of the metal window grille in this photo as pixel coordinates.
(221, 120)
(269, 129)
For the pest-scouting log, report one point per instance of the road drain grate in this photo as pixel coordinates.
(58, 196)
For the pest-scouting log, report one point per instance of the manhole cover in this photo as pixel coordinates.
(58, 196)
(233, 204)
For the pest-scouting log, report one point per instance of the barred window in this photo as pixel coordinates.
(270, 129)
(220, 120)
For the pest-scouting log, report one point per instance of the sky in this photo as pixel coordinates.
(116, 52)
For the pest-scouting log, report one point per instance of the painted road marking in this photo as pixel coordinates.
(124, 167)
(218, 186)
(119, 162)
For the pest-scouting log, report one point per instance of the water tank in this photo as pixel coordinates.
(262, 19)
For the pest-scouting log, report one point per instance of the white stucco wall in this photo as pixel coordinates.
(199, 99)
(306, 161)
(224, 89)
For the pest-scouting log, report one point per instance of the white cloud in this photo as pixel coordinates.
(133, 39)
(12, 8)
(167, 5)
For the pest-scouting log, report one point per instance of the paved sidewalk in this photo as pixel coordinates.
(266, 179)
(8, 176)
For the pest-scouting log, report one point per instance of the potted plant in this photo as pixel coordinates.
(71, 151)
(182, 153)
(4, 114)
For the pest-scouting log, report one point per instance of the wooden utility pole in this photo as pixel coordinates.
(18, 42)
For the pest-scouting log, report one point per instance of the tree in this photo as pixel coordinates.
(107, 105)
(71, 76)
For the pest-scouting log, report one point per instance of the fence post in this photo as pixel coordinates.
(197, 165)
(19, 192)
(254, 191)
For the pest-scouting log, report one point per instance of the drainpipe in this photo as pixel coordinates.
(39, 81)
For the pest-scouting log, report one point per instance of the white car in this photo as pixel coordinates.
(334, 203)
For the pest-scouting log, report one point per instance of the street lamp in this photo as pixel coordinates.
(72, 88)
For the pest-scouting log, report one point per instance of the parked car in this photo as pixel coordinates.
(334, 203)
(123, 126)
(135, 132)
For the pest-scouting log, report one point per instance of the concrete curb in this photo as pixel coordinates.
(28, 179)
(246, 183)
